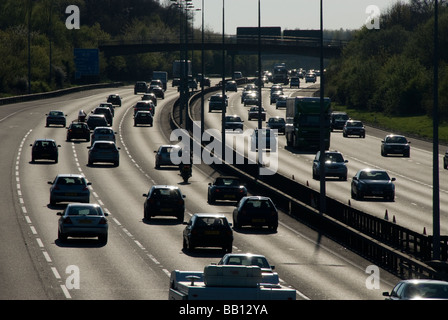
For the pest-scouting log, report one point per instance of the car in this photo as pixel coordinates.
(275, 95)
(108, 105)
(276, 87)
(78, 130)
(69, 188)
(201, 78)
(56, 117)
(44, 149)
(140, 86)
(335, 165)
(150, 97)
(215, 102)
(83, 220)
(276, 123)
(231, 86)
(337, 120)
(445, 160)
(254, 112)
(163, 155)
(245, 93)
(143, 117)
(251, 99)
(106, 112)
(395, 144)
(418, 289)
(208, 230)
(226, 188)
(146, 105)
(192, 84)
(269, 139)
(354, 128)
(103, 133)
(115, 99)
(96, 120)
(156, 83)
(164, 200)
(246, 259)
(175, 82)
(104, 151)
(281, 101)
(372, 182)
(255, 211)
(158, 91)
(294, 82)
(234, 122)
(310, 77)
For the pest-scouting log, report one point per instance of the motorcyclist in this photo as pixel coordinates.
(82, 116)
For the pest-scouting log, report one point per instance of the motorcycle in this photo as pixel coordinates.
(185, 172)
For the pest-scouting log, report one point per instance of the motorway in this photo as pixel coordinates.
(139, 256)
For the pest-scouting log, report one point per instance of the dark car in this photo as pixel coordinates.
(44, 149)
(251, 99)
(374, 183)
(253, 113)
(294, 82)
(108, 105)
(163, 155)
(208, 230)
(215, 102)
(338, 120)
(69, 188)
(234, 122)
(143, 117)
(164, 200)
(150, 97)
(106, 112)
(256, 211)
(275, 95)
(395, 144)
(115, 99)
(335, 165)
(226, 188)
(97, 120)
(281, 101)
(445, 160)
(104, 151)
(354, 128)
(56, 117)
(419, 289)
(231, 86)
(146, 105)
(158, 91)
(277, 123)
(83, 220)
(78, 130)
(140, 86)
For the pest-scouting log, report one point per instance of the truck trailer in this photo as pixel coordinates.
(302, 128)
(226, 282)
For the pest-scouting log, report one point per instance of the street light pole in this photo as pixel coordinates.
(322, 206)
(202, 72)
(435, 153)
(223, 105)
(260, 104)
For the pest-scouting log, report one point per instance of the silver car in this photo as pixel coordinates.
(418, 289)
(104, 151)
(334, 165)
(103, 134)
(69, 188)
(83, 220)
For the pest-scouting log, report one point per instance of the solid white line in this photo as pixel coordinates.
(66, 292)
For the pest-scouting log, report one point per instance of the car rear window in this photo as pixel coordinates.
(84, 211)
(71, 181)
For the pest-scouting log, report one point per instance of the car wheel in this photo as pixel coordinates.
(184, 244)
(62, 237)
(52, 202)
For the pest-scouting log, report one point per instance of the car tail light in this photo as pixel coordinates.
(181, 202)
(85, 188)
(103, 221)
(151, 201)
(273, 213)
(67, 220)
(56, 188)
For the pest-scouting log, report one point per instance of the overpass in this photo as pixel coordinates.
(232, 45)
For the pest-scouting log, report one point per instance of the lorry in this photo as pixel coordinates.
(280, 74)
(162, 76)
(226, 282)
(302, 129)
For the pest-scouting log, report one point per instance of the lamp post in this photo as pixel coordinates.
(436, 199)
(223, 84)
(202, 71)
(322, 200)
(260, 105)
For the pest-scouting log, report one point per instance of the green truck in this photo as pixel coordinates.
(302, 128)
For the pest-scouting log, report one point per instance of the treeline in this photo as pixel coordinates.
(390, 69)
(52, 43)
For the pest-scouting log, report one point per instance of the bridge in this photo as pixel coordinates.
(233, 45)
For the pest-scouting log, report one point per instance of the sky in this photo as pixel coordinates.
(287, 14)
